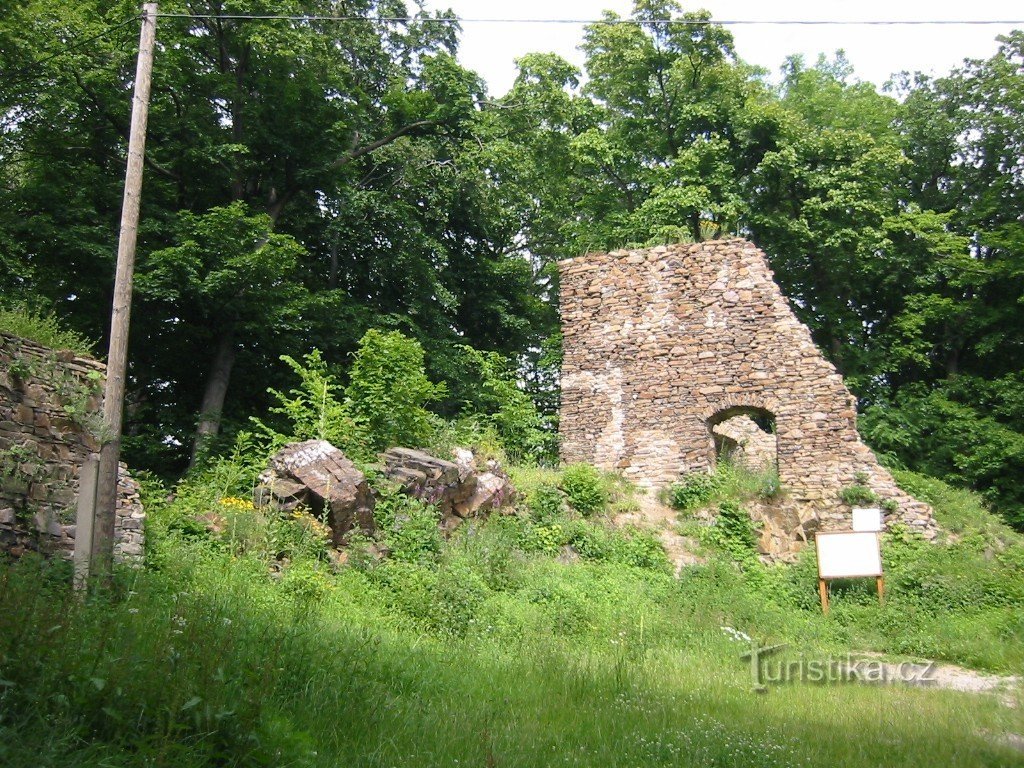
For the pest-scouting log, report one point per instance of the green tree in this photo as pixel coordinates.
(388, 391)
(357, 139)
(957, 405)
(524, 433)
(828, 206)
(228, 281)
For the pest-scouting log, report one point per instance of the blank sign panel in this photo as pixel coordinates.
(848, 555)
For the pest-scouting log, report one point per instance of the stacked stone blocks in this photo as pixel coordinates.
(49, 426)
(660, 344)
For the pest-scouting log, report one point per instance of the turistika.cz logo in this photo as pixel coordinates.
(767, 668)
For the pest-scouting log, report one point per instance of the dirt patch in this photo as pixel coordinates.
(951, 677)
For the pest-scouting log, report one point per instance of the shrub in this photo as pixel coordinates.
(585, 489)
(388, 391)
(525, 435)
(733, 532)
(858, 495)
(640, 549)
(408, 527)
(739, 482)
(546, 503)
(314, 409)
(693, 491)
(546, 539)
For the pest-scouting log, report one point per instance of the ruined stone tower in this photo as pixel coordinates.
(663, 345)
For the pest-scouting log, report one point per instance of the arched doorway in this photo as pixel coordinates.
(745, 436)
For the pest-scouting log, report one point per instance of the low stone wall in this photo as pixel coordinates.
(49, 425)
(663, 344)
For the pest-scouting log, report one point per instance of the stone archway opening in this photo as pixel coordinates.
(745, 436)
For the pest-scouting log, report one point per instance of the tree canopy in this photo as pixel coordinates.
(309, 181)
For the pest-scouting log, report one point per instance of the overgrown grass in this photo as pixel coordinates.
(247, 645)
(958, 511)
(215, 664)
(730, 482)
(43, 328)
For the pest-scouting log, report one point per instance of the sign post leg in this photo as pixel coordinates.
(823, 592)
(880, 582)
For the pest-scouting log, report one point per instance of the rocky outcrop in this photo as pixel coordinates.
(430, 479)
(494, 489)
(318, 477)
(458, 488)
(663, 344)
(50, 423)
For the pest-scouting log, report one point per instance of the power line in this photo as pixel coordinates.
(610, 22)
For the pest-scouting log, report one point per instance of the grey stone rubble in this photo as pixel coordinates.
(663, 344)
(457, 487)
(319, 477)
(45, 398)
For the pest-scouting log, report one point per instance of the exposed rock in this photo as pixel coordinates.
(435, 481)
(568, 555)
(319, 477)
(457, 488)
(493, 491)
(662, 344)
(465, 461)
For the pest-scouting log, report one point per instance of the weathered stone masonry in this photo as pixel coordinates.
(663, 344)
(49, 411)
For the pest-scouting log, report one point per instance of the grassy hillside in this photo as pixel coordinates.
(531, 640)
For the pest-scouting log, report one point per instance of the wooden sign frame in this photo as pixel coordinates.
(823, 580)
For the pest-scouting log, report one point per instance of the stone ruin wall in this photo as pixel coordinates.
(49, 417)
(745, 443)
(660, 343)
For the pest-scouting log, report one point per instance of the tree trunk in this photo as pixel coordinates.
(216, 390)
(952, 362)
(695, 226)
(837, 354)
(332, 277)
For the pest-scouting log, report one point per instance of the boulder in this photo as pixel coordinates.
(493, 491)
(320, 478)
(430, 479)
(458, 488)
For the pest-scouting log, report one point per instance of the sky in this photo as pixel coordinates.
(875, 52)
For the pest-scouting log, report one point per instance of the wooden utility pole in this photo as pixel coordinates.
(102, 556)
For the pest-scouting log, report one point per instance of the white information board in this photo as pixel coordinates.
(867, 519)
(848, 555)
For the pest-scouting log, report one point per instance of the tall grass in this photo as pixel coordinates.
(43, 328)
(217, 665)
(248, 646)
